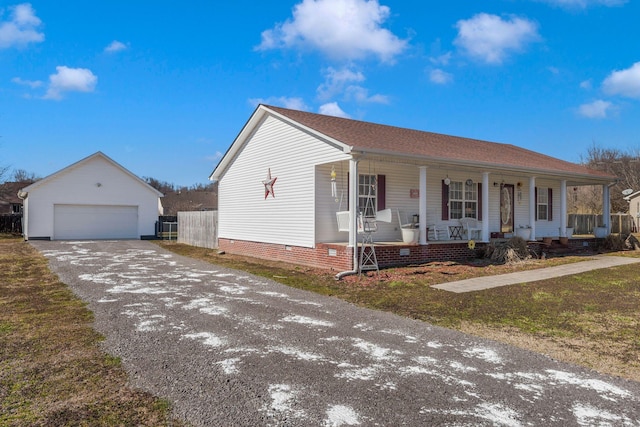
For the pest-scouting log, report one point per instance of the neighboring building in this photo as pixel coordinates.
(10, 203)
(288, 173)
(634, 209)
(94, 198)
(190, 200)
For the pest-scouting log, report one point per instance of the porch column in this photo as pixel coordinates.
(353, 206)
(563, 208)
(422, 210)
(485, 206)
(606, 208)
(532, 206)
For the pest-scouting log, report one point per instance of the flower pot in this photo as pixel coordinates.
(547, 240)
(410, 235)
(600, 232)
(569, 232)
(564, 241)
(525, 233)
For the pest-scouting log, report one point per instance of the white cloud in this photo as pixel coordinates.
(332, 109)
(341, 29)
(282, 101)
(490, 38)
(440, 77)
(596, 110)
(33, 84)
(361, 95)
(70, 80)
(441, 59)
(624, 82)
(337, 80)
(21, 28)
(583, 4)
(115, 46)
(586, 85)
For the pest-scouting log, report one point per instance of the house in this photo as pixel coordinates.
(634, 209)
(288, 173)
(94, 198)
(190, 200)
(10, 203)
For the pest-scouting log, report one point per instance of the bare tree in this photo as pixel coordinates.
(21, 175)
(623, 164)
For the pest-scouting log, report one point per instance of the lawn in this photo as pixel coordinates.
(52, 371)
(591, 319)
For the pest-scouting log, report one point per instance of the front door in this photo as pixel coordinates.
(506, 208)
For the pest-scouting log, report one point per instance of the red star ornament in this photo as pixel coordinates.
(268, 185)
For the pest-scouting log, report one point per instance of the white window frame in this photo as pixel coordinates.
(542, 205)
(467, 202)
(367, 189)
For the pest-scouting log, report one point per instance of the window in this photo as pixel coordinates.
(16, 208)
(542, 204)
(463, 200)
(367, 200)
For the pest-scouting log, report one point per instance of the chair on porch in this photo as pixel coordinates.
(440, 231)
(409, 230)
(471, 226)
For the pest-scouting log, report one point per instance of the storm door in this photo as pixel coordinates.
(506, 208)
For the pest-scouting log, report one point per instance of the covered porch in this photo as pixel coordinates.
(427, 211)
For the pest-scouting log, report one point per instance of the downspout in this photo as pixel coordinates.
(353, 217)
(22, 196)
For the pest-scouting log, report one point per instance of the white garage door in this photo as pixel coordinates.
(95, 222)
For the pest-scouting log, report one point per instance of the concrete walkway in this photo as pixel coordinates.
(488, 282)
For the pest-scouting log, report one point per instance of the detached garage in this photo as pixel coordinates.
(95, 198)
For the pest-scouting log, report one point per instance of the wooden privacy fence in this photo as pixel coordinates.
(198, 229)
(11, 223)
(585, 223)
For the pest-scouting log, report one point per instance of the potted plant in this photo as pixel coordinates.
(524, 231)
(600, 232)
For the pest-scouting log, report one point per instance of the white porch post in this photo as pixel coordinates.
(485, 206)
(563, 208)
(532, 206)
(606, 208)
(422, 210)
(353, 205)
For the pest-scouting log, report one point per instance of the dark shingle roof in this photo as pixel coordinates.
(372, 137)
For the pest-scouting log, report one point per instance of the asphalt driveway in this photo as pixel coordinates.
(231, 349)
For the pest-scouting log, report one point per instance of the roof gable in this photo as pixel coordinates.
(70, 168)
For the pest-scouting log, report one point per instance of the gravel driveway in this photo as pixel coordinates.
(231, 349)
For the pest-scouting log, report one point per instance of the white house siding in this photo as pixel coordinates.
(289, 217)
(550, 228)
(94, 182)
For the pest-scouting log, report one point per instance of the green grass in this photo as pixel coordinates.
(588, 318)
(52, 371)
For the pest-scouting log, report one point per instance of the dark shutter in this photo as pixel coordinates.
(535, 202)
(445, 201)
(479, 216)
(550, 211)
(382, 192)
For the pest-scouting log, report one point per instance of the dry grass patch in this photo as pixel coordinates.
(591, 319)
(52, 371)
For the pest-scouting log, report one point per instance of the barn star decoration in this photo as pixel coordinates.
(268, 185)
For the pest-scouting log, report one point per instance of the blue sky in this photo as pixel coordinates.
(163, 87)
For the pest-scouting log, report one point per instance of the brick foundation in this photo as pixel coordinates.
(338, 257)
